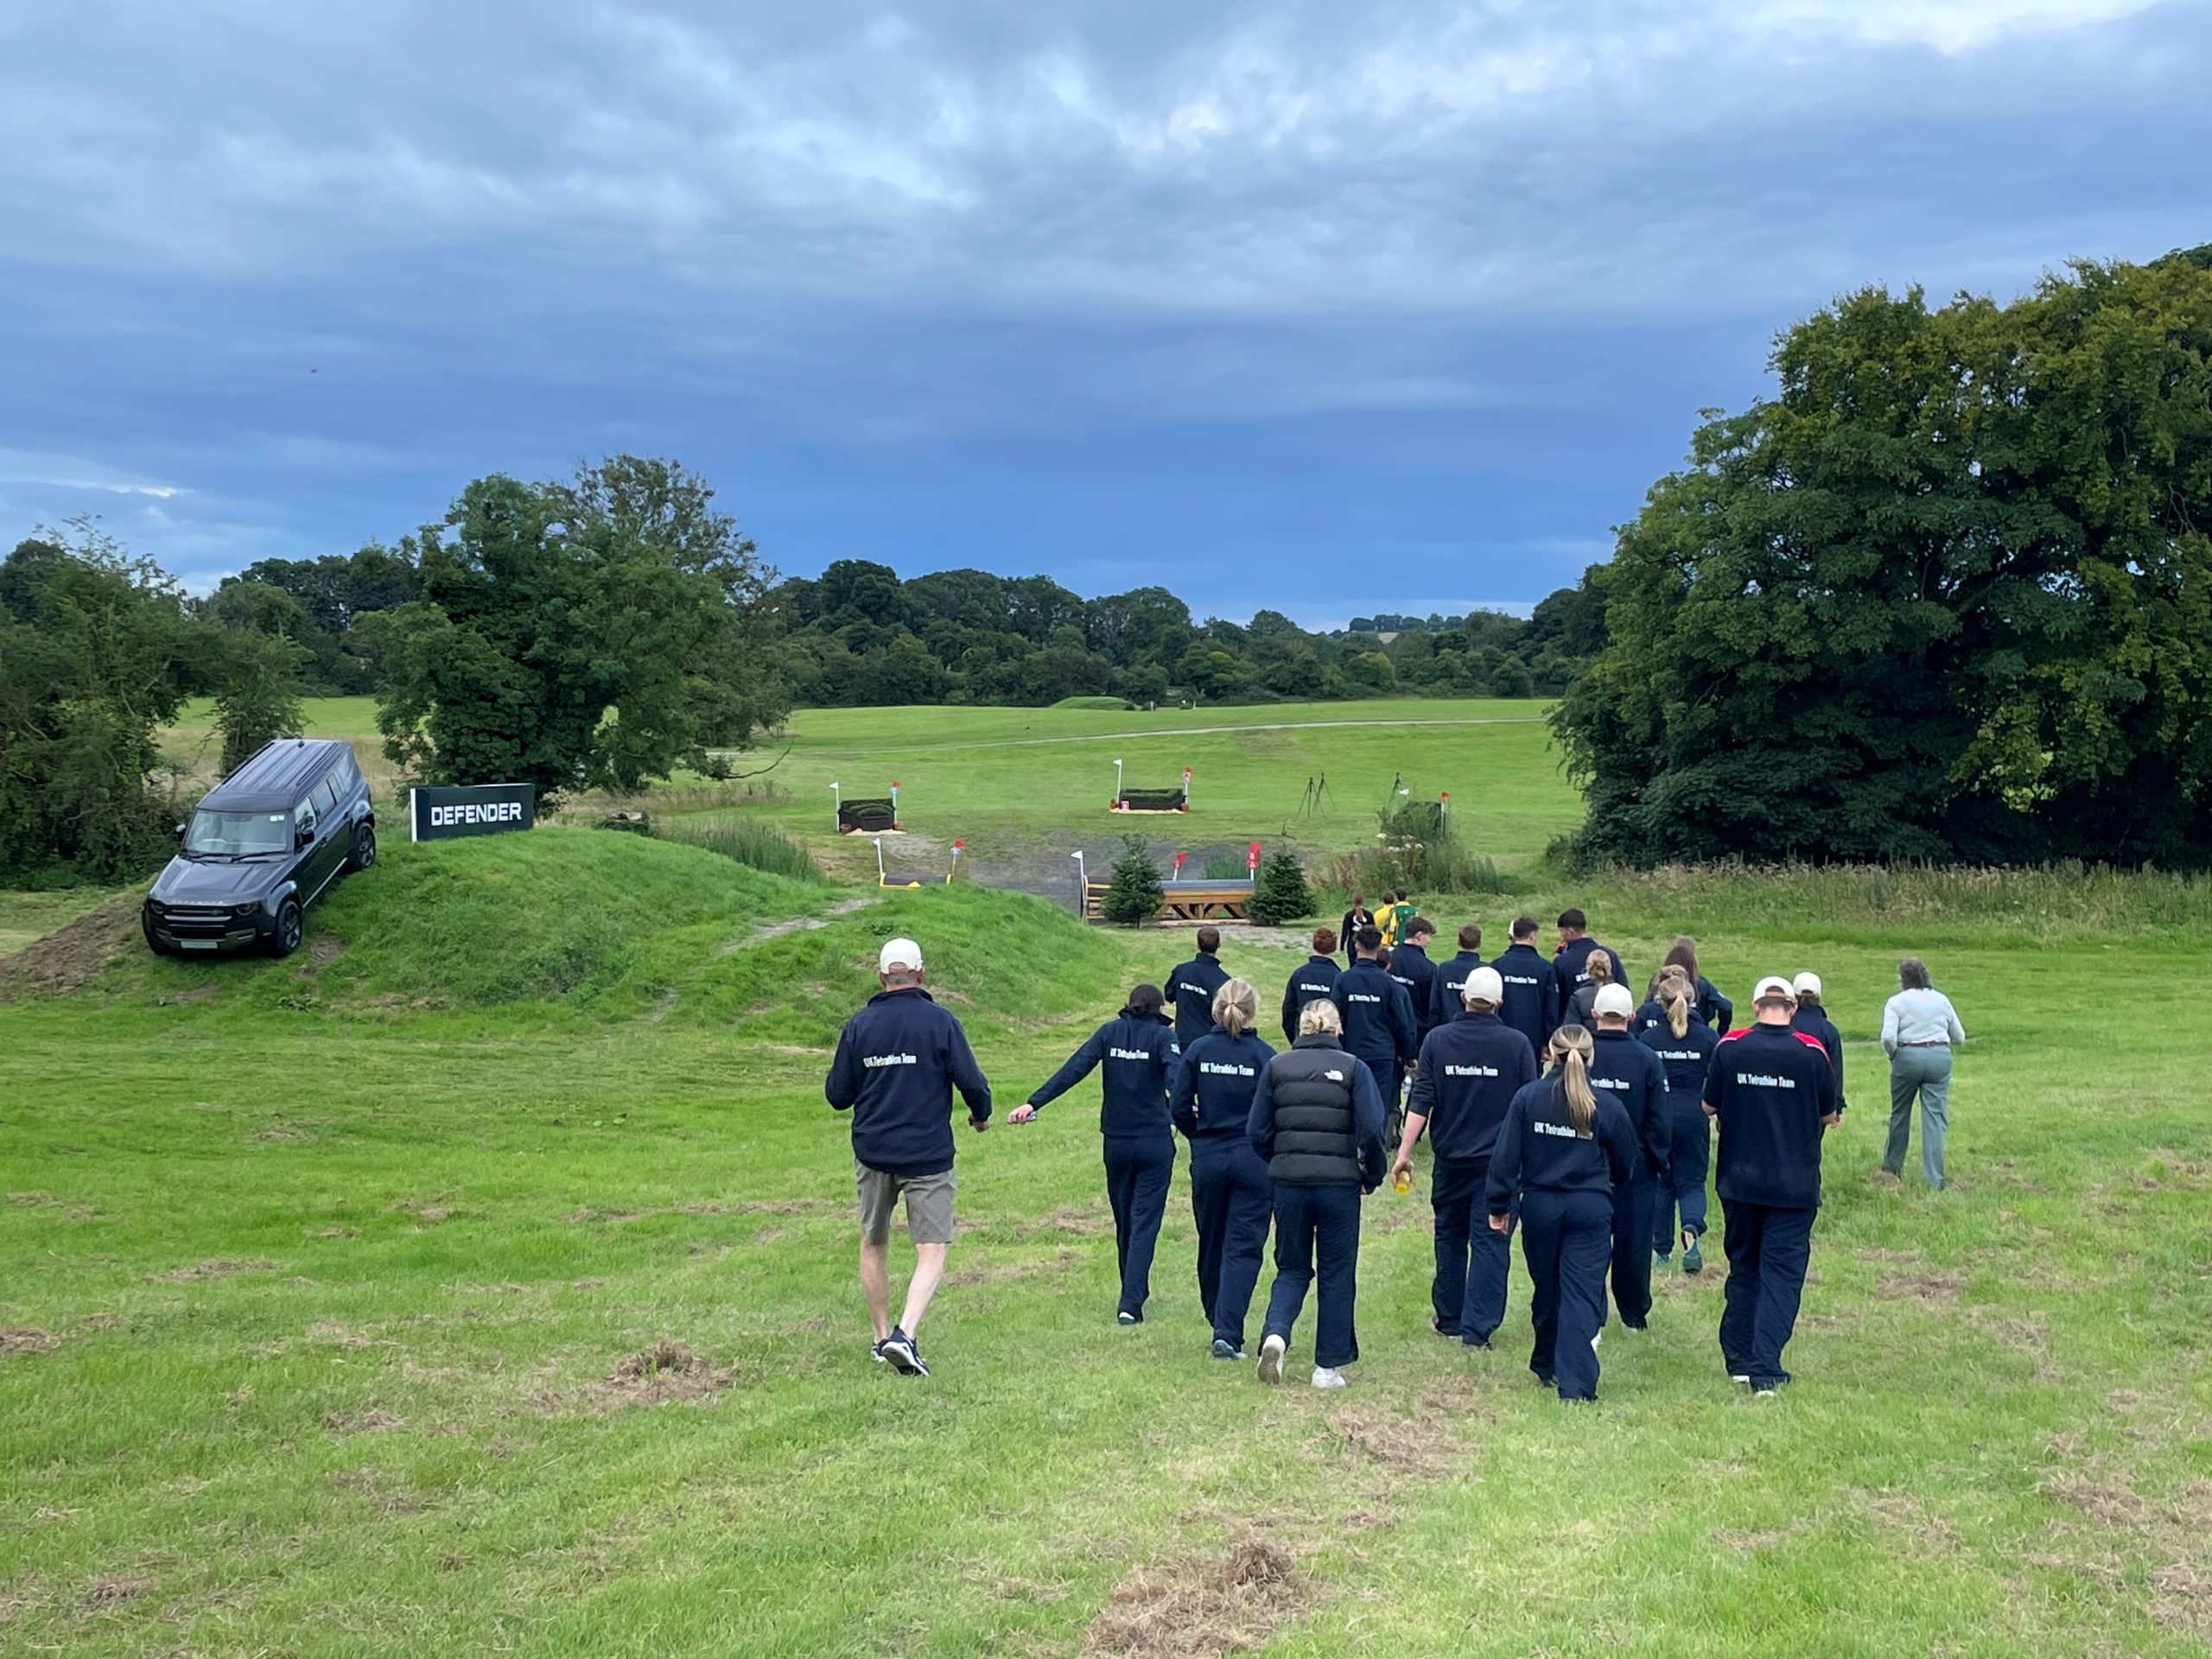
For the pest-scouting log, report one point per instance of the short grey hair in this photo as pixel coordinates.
(1912, 974)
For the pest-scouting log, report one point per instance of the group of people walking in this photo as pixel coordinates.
(1596, 1153)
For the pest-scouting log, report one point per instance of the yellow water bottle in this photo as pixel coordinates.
(1404, 1182)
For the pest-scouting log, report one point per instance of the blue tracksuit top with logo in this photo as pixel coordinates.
(1813, 1022)
(1189, 991)
(1411, 967)
(1686, 1058)
(1313, 980)
(1571, 965)
(1378, 1017)
(1134, 1057)
(1470, 1072)
(1716, 1010)
(1209, 1091)
(1768, 1088)
(1539, 1151)
(1633, 1075)
(898, 1061)
(1447, 1002)
(1531, 1005)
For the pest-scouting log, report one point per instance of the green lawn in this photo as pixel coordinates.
(319, 1279)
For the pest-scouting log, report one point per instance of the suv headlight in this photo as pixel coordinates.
(243, 910)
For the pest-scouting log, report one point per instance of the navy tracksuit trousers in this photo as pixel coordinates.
(1317, 1226)
(1567, 1238)
(1769, 1248)
(1633, 1207)
(1231, 1199)
(1137, 1175)
(1684, 1192)
(1472, 1262)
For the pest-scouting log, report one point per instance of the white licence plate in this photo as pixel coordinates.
(199, 944)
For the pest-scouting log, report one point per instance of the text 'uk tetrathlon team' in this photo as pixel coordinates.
(1557, 1105)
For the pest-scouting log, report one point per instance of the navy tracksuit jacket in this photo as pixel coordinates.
(1531, 1005)
(1633, 1075)
(1681, 1190)
(1815, 1022)
(1210, 1096)
(1189, 991)
(1379, 1025)
(1411, 967)
(1470, 1072)
(1134, 1057)
(1769, 1087)
(1566, 1182)
(1315, 979)
(898, 1061)
(1716, 1010)
(1449, 1001)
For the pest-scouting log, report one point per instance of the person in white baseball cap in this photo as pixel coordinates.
(897, 1062)
(1813, 1019)
(1771, 1091)
(1633, 1075)
(1470, 1070)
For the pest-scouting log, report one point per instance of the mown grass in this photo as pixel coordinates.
(316, 1279)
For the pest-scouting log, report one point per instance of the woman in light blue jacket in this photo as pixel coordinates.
(1918, 1031)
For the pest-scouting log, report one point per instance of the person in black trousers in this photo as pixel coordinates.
(1317, 1121)
(1771, 1092)
(1684, 1044)
(1532, 999)
(1357, 916)
(1449, 1001)
(1377, 1020)
(1210, 1096)
(1716, 1010)
(1190, 987)
(1563, 1148)
(1469, 1073)
(1137, 1050)
(1633, 1074)
(1315, 977)
(1411, 967)
(1813, 1019)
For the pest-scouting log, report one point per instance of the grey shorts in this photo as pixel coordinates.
(929, 1203)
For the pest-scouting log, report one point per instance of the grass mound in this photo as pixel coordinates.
(1094, 702)
(574, 915)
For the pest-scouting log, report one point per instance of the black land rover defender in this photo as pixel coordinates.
(261, 847)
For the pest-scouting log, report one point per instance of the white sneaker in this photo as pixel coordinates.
(1328, 1376)
(1595, 1341)
(1271, 1359)
(1743, 1378)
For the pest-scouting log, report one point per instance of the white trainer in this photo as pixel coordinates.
(1328, 1376)
(1271, 1353)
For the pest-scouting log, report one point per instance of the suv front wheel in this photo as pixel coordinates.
(286, 939)
(364, 847)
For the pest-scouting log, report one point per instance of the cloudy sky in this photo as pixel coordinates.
(1330, 308)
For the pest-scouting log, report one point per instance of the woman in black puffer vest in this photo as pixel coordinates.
(1318, 1122)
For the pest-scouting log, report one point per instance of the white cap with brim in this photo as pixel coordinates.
(1774, 988)
(899, 955)
(1485, 985)
(1807, 981)
(1612, 999)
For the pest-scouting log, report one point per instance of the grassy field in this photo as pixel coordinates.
(329, 1289)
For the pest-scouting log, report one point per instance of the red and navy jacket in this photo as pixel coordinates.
(1768, 1088)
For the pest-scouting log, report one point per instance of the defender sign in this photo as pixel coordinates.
(476, 810)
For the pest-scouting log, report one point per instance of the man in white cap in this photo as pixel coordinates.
(1468, 1073)
(898, 1059)
(1813, 1019)
(1638, 1078)
(1772, 1094)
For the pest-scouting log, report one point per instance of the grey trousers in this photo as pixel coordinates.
(1926, 1072)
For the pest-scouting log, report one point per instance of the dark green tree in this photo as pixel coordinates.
(1134, 891)
(1947, 594)
(1280, 892)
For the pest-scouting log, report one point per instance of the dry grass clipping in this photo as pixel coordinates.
(1189, 1609)
(665, 1374)
(220, 1268)
(26, 1339)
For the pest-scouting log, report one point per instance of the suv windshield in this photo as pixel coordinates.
(240, 833)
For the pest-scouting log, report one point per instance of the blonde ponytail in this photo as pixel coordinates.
(1674, 1002)
(1235, 1007)
(1570, 1048)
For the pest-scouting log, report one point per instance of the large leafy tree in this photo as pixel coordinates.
(1944, 595)
(584, 634)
